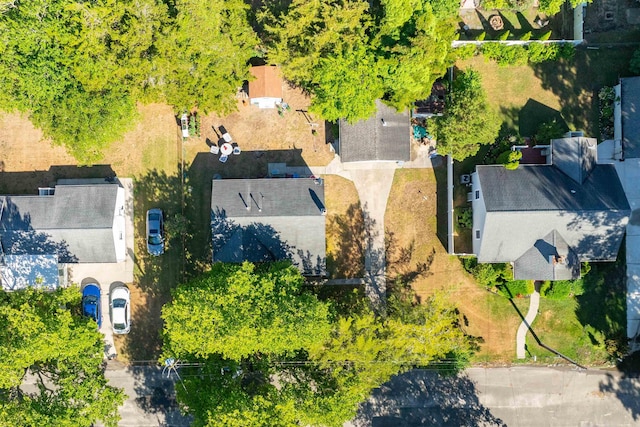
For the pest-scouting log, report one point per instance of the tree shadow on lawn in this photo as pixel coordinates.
(28, 182)
(576, 82)
(155, 276)
(347, 232)
(425, 397)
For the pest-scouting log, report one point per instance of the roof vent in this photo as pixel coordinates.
(573, 191)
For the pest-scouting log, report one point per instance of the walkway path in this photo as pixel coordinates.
(534, 303)
(373, 182)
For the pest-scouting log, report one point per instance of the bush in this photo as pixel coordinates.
(465, 218)
(505, 55)
(545, 36)
(548, 131)
(487, 275)
(606, 99)
(482, 36)
(634, 64)
(539, 52)
(505, 35)
(516, 288)
(465, 51)
(526, 36)
(561, 289)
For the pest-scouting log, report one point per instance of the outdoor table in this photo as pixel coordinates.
(226, 149)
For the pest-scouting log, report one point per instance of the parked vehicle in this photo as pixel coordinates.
(184, 123)
(155, 232)
(120, 310)
(91, 306)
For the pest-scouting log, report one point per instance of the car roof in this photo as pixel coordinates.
(91, 289)
(120, 292)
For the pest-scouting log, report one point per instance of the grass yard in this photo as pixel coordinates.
(411, 223)
(345, 229)
(526, 96)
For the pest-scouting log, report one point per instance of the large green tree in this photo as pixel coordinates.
(347, 53)
(43, 343)
(469, 121)
(260, 349)
(239, 310)
(79, 68)
(204, 56)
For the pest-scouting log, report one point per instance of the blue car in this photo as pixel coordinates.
(91, 306)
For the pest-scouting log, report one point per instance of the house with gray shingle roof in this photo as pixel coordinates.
(547, 219)
(385, 136)
(260, 220)
(627, 116)
(41, 235)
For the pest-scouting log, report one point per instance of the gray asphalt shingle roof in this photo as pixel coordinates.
(384, 136)
(76, 223)
(535, 263)
(630, 108)
(576, 157)
(269, 219)
(525, 205)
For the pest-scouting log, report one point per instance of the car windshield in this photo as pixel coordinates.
(154, 217)
(119, 326)
(155, 240)
(119, 303)
(90, 299)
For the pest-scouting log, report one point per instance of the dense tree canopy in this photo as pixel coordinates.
(59, 351)
(78, 68)
(269, 351)
(468, 121)
(348, 54)
(236, 311)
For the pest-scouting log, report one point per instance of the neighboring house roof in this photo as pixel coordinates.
(76, 223)
(269, 219)
(630, 108)
(21, 271)
(267, 83)
(384, 136)
(577, 210)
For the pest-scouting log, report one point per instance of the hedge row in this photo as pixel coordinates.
(505, 54)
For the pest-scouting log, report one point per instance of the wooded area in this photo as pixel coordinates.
(79, 68)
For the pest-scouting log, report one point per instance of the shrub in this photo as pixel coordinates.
(487, 275)
(606, 99)
(465, 51)
(548, 131)
(483, 35)
(545, 36)
(505, 35)
(561, 289)
(634, 63)
(526, 36)
(505, 55)
(539, 52)
(516, 288)
(465, 218)
(567, 51)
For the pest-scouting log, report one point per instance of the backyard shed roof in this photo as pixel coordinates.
(383, 136)
(267, 82)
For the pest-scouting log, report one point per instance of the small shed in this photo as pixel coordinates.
(265, 90)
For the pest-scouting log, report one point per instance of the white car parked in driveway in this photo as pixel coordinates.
(120, 310)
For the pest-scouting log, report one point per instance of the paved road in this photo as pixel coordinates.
(151, 396)
(516, 397)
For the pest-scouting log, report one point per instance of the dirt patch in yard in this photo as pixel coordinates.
(411, 224)
(257, 131)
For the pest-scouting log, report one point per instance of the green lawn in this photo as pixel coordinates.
(526, 96)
